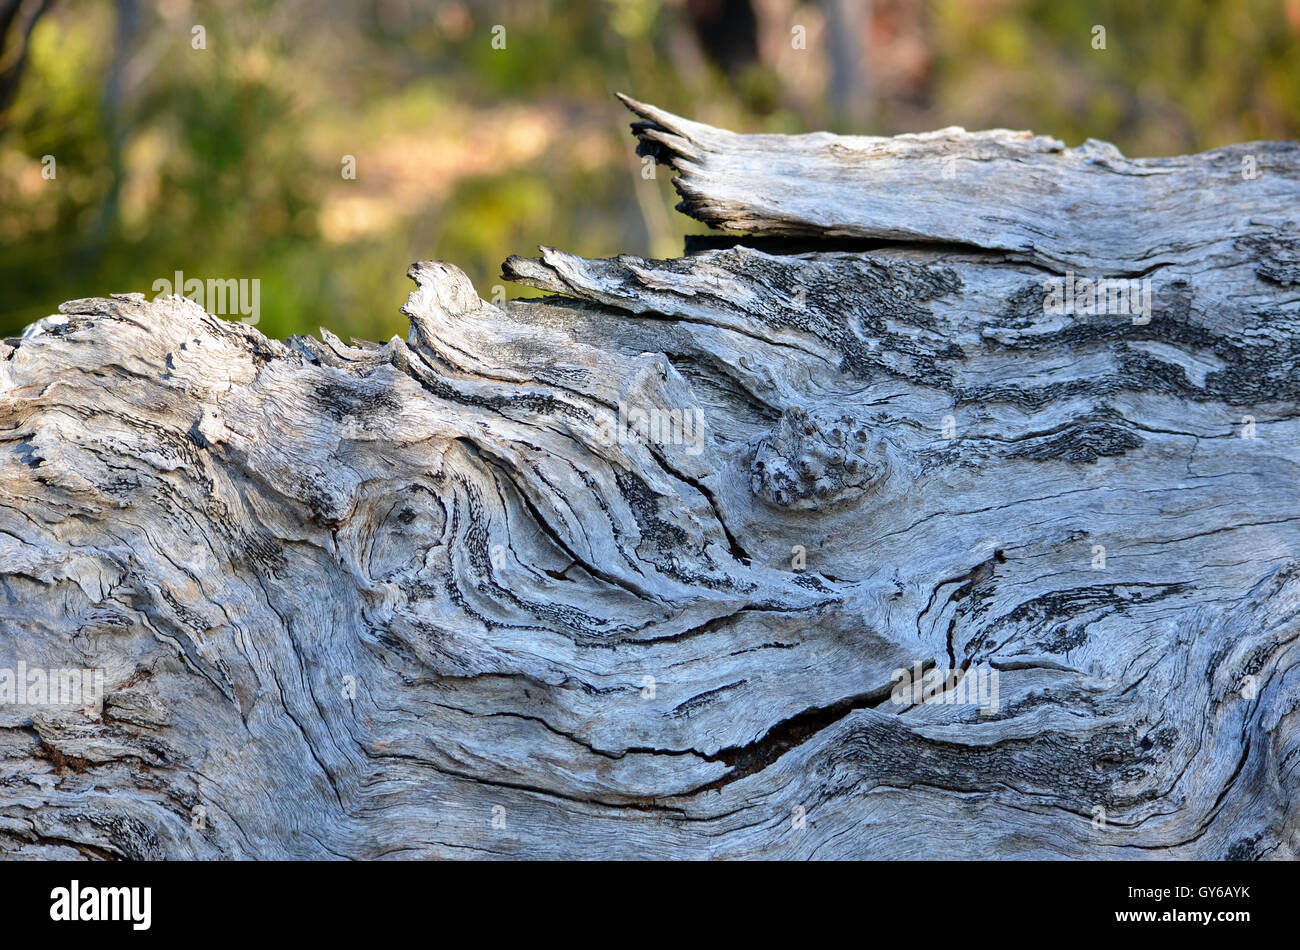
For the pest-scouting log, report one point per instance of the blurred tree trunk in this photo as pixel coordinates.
(17, 20)
(128, 26)
(846, 50)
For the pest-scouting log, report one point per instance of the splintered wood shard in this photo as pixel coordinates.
(1027, 195)
(979, 539)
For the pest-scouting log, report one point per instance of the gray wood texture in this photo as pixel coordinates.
(440, 597)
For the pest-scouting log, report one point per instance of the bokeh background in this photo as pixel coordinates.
(226, 161)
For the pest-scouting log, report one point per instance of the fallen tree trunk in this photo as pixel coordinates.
(650, 568)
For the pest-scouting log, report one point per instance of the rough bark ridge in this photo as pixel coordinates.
(427, 598)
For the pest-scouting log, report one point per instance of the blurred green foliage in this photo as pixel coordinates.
(226, 161)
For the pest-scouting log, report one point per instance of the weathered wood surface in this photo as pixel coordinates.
(1028, 195)
(402, 600)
